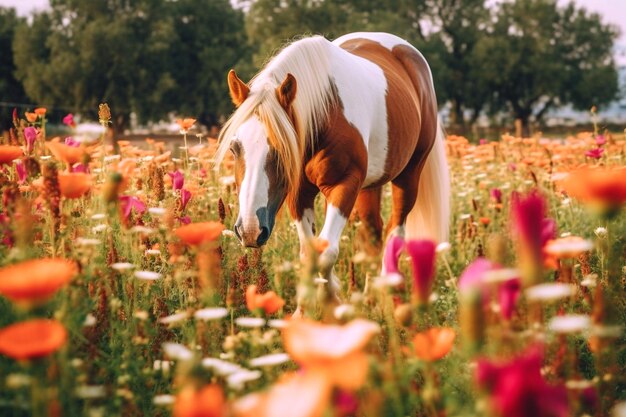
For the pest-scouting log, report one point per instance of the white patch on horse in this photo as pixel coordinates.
(253, 194)
(360, 81)
(304, 227)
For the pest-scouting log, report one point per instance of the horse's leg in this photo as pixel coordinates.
(367, 209)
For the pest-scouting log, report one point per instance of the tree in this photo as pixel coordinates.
(147, 57)
(11, 89)
(460, 26)
(538, 56)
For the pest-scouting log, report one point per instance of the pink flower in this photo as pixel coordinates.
(508, 293)
(30, 135)
(80, 168)
(178, 179)
(184, 220)
(483, 142)
(595, 153)
(185, 196)
(20, 168)
(517, 389)
(527, 222)
(69, 120)
(393, 249)
(422, 253)
(129, 203)
(474, 278)
(600, 140)
(345, 403)
(496, 195)
(69, 141)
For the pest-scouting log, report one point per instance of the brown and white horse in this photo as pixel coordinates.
(342, 118)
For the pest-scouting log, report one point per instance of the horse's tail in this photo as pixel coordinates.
(430, 216)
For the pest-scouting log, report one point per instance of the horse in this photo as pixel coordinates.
(341, 118)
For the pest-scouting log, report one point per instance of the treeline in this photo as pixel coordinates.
(154, 57)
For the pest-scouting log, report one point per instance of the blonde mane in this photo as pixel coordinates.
(308, 61)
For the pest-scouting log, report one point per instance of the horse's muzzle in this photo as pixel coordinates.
(252, 237)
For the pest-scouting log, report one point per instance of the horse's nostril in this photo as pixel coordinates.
(238, 231)
(263, 236)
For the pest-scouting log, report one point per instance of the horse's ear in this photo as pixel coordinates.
(238, 89)
(287, 91)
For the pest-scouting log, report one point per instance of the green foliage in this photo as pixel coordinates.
(538, 56)
(146, 56)
(11, 90)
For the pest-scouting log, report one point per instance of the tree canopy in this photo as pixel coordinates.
(156, 57)
(11, 90)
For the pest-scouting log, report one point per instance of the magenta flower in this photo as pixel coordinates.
(483, 142)
(184, 220)
(69, 141)
(508, 293)
(30, 135)
(527, 222)
(68, 120)
(345, 403)
(496, 195)
(178, 179)
(517, 389)
(393, 249)
(129, 203)
(422, 253)
(472, 276)
(80, 168)
(595, 153)
(185, 196)
(600, 140)
(20, 168)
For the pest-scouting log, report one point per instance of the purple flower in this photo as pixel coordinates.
(422, 253)
(129, 203)
(395, 245)
(30, 135)
(69, 141)
(178, 179)
(496, 195)
(600, 140)
(20, 168)
(69, 120)
(185, 196)
(595, 153)
(517, 389)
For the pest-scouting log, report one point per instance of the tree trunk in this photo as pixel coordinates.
(522, 127)
(457, 115)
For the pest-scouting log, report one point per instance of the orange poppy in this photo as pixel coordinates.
(601, 187)
(269, 302)
(302, 394)
(195, 234)
(319, 245)
(185, 124)
(8, 153)
(336, 352)
(123, 143)
(206, 402)
(40, 111)
(31, 117)
(32, 339)
(35, 280)
(434, 343)
(74, 184)
(485, 221)
(68, 154)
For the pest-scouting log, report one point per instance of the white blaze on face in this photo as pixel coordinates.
(253, 193)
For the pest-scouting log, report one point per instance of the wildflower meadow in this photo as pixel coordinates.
(125, 292)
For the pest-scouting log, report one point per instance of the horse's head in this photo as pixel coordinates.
(261, 186)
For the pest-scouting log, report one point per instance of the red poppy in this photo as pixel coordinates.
(32, 339)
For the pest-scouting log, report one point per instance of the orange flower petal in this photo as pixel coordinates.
(68, 154)
(40, 111)
(433, 344)
(35, 280)
(206, 402)
(31, 117)
(9, 153)
(32, 339)
(197, 233)
(74, 184)
(303, 394)
(349, 373)
(308, 341)
(270, 302)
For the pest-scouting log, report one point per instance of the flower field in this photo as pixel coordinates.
(124, 292)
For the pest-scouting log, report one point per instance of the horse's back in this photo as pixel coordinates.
(408, 107)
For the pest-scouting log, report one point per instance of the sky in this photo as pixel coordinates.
(613, 11)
